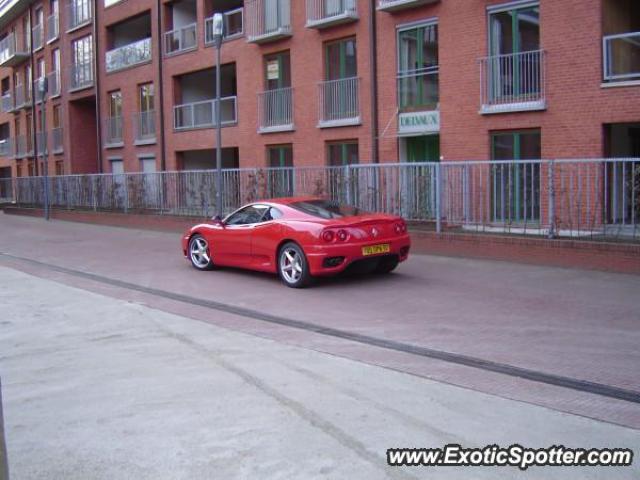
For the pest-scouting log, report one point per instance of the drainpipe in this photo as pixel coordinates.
(96, 81)
(29, 86)
(163, 161)
(373, 64)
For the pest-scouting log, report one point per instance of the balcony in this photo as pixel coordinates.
(513, 83)
(22, 97)
(24, 147)
(36, 89)
(37, 33)
(203, 114)
(53, 27)
(6, 103)
(339, 103)
(233, 26)
(13, 50)
(128, 55)
(268, 20)
(79, 13)
(325, 13)
(81, 76)
(181, 40)
(275, 110)
(145, 123)
(392, 5)
(6, 147)
(57, 140)
(621, 57)
(41, 142)
(113, 135)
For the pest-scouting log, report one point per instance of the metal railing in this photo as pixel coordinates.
(57, 140)
(339, 101)
(128, 55)
(42, 142)
(145, 123)
(23, 146)
(384, 4)
(267, 19)
(79, 12)
(81, 75)
(22, 96)
(6, 148)
(53, 80)
(203, 114)
(6, 103)
(181, 39)
(37, 96)
(325, 11)
(594, 199)
(113, 131)
(53, 27)
(419, 88)
(275, 109)
(37, 33)
(513, 82)
(13, 45)
(233, 25)
(621, 57)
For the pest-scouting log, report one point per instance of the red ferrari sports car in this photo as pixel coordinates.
(298, 238)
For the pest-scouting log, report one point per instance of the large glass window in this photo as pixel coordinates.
(514, 31)
(278, 71)
(146, 98)
(115, 104)
(342, 153)
(341, 59)
(418, 67)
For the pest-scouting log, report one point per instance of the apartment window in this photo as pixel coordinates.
(41, 68)
(28, 79)
(621, 41)
(278, 71)
(418, 67)
(342, 153)
(57, 116)
(117, 166)
(280, 180)
(26, 29)
(115, 104)
(145, 119)
(341, 59)
(146, 97)
(280, 155)
(82, 63)
(60, 167)
(83, 50)
(55, 60)
(516, 185)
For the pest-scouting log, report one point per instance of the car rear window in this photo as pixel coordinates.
(326, 209)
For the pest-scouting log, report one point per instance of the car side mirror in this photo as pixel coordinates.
(217, 220)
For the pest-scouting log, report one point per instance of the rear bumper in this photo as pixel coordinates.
(319, 255)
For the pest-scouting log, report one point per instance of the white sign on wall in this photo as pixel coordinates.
(418, 123)
(273, 70)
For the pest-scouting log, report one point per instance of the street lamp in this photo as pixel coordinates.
(218, 32)
(43, 88)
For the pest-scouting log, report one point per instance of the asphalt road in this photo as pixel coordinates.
(99, 388)
(571, 324)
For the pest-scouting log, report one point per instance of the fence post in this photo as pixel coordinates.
(126, 193)
(4, 460)
(438, 198)
(552, 200)
(94, 192)
(347, 179)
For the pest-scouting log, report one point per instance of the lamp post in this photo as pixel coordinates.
(43, 88)
(218, 32)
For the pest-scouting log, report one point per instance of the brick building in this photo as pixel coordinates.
(316, 82)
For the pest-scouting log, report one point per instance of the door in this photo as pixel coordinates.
(231, 246)
(341, 88)
(277, 107)
(419, 181)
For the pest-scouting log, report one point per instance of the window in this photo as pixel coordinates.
(117, 167)
(341, 59)
(41, 68)
(342, 153)
(248, 215)
(59, 167)
(516, 185)
(55, 60)
(277, 71)
(326, 209)
(515, 30)
(418, 67)
(57, 116)
(115, 104)
(280, 155)
(621, 42)
(146, 98)
(83, 51)
(280, 180)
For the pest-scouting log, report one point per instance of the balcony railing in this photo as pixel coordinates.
(145, 123)
(6, 148)
(621, 57)
(181, 39)
(113, 131)
(53, 27)
(128, 55)
(24, 147)
(391, 5)
(36, 89)
(14, 49)
(22, 97)
(6, 103)
(53, 80)
(79, 12)
(419, 89)
(38, 36)
(233, 26)
(42, 142)
(513, 82)
(276, 110)
(81, 75)
(324, 13)
(267, 20)
(203, 114)
(57, 140)
(339, 102)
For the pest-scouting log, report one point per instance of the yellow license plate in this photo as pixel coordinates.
(376, 249)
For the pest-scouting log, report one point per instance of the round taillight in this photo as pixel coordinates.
(327, 236)
(342, 235)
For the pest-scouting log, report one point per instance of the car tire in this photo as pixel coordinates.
(199, 253)
(293, 268)
(387, 265)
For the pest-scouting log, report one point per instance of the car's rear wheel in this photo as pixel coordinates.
(387, 265)
(293, 267)
(199, 253)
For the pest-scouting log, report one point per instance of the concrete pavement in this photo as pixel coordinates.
(100, 388)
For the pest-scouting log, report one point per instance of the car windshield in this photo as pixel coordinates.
(326, 209)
